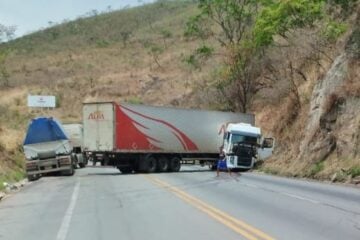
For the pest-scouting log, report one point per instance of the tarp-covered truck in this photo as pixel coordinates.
(148, 139)
(74, 131)
(47, 148)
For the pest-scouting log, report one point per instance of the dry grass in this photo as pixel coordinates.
(87, 61)
(10, 139)
(352, 85)
(96, 65)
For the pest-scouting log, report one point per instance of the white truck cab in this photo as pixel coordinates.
(75, 135)
(243, 145)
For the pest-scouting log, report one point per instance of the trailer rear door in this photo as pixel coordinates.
(98, 119)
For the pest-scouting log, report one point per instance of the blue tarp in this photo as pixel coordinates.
(44, 130)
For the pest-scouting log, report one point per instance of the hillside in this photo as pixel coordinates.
(141, 55)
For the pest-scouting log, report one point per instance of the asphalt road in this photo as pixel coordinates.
(100, 203)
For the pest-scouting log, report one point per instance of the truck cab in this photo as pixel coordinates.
(75, 135)
(243, 145)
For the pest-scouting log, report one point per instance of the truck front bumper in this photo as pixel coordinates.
(36, 172)
(239, 163)
(36, 167)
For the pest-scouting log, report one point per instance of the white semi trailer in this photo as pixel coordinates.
(148, 139)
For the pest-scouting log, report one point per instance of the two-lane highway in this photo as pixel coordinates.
(101, 203)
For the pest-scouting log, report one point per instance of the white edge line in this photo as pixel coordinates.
(65, 224)
(301, 198)
(287, 194)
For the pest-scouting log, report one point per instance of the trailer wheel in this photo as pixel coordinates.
(175, 164)
(162, 164)
(69, 172)
(125, 170)
(149, 164)
(81, 165)
(86, 159)
(32, 178)
(213, 166)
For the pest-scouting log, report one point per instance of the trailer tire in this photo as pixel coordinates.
(175, 164)
(69, 172)
(86, 159)
(213, 167)
(32, 178)
(149, 165)
(125, 170)
(81, 165)
(162, 164)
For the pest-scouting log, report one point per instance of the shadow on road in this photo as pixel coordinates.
(118, 174)
(105, 174)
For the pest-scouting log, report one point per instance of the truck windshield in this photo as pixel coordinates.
(241, 138)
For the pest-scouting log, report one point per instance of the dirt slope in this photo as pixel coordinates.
(139, 55)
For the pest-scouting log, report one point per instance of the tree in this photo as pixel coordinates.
(6, 33)
(234, 17)
(155, 51)
(4, 74)
(247, 29)
(280, 17)
(125, 35)
(239, 80)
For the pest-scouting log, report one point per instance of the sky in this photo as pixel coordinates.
(31, 15)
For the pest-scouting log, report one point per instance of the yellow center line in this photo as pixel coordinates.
(242, 228)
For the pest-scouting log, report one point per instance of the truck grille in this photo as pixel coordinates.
(244, 156)
(31, 165)
(244, 161)
(65, 161)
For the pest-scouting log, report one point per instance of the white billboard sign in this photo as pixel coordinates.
(41, 101)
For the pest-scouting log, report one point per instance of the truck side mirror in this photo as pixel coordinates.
(267, 143)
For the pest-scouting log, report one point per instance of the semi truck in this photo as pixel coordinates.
(74, 131)
(47, 149)
(150, 139)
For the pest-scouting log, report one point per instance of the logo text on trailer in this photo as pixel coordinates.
(97, 115)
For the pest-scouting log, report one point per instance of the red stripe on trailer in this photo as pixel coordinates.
(128, 135)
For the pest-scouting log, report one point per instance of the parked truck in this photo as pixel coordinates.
(47, 149)
(148, 139)
(74, 132)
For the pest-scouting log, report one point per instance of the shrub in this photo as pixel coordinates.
(271, 171)
(316, 168)
(333, 30)
(134, 100)
(102, 43)
(354, 171)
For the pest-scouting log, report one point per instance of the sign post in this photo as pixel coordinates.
(41, 101)
(37, 101)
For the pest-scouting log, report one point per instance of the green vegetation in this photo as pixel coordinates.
(279, 17)
(102, 30)
(13, 118)
(333, 30)
(15, 172)
(245, 30)
(354, 171)
(134, 100)
(232, 55)
(10, 177)
(316, 168)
